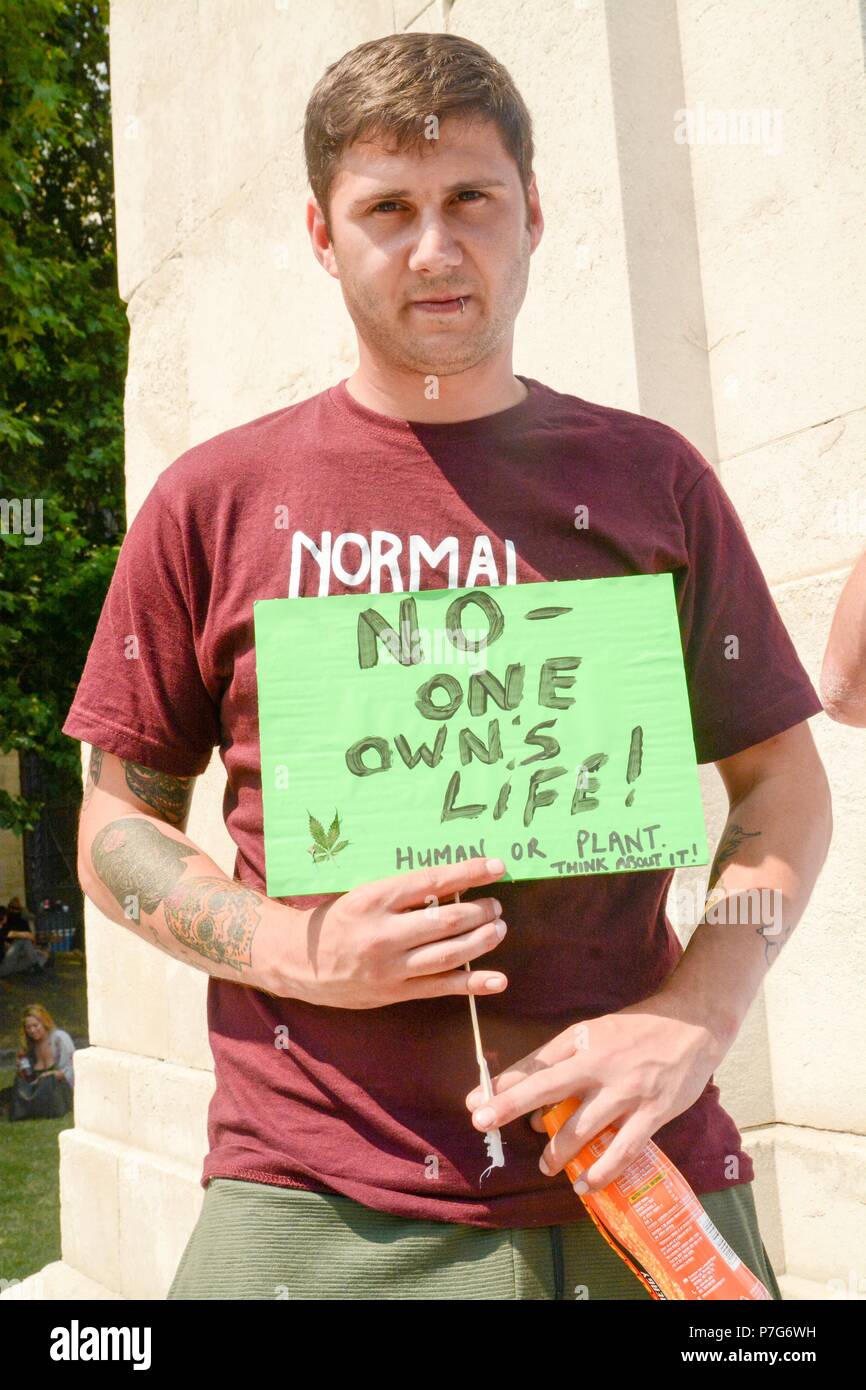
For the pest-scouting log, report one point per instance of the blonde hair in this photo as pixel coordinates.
(36, 1011)
(391, 86)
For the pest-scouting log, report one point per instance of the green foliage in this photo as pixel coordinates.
(63, 335)
(18, 814)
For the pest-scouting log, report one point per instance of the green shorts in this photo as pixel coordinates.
(256, 1240)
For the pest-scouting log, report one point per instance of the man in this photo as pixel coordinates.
(346, 1130)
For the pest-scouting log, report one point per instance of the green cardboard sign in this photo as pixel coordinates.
(545, 724)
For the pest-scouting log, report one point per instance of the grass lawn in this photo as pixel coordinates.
(29, 1156)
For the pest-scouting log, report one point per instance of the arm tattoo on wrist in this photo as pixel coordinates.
(138, 863)
(168, 795)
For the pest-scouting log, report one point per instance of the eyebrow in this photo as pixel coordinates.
(382, 195)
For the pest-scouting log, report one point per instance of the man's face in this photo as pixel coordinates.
(448, 221)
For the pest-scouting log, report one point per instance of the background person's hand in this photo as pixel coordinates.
(400, 938)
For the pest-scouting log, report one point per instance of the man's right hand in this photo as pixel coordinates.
(401, 938)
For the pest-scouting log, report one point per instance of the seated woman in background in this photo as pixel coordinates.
(18, 937)
(43, 1085)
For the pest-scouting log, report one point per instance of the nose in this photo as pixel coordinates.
(435, 250)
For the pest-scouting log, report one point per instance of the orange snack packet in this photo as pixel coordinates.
(653, 1220)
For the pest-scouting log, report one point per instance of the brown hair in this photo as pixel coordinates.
(391, 86)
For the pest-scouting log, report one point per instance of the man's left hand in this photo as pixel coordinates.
(636, 1069)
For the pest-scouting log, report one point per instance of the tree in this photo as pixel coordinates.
(64, 340)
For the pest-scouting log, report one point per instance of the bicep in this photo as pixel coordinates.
(115, 786)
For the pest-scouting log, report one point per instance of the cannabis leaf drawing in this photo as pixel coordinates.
(327, 842)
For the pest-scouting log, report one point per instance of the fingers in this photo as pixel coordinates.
(622, 1151)
(587, 1121)
(456, 950)
(545, 1086)
(421, 887)
(433, 923)
(456, 982)
(558, 1049)
(592, 1116)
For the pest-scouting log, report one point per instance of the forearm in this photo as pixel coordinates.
(761, 880)
(149, 877)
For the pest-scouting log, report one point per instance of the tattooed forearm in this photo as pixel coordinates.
(216, 918)
(138, 863)
(168, 795)
(774, 933)
(731, 840)
(779, 934)
(143, 868)
(93, 771)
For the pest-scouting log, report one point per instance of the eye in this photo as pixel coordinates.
(473, 193)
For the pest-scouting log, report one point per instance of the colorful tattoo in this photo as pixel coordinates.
(143, 868)
(168, 795)
(214, 918)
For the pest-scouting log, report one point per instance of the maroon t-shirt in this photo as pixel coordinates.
(329, 497)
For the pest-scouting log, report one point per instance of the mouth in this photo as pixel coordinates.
(442, 306)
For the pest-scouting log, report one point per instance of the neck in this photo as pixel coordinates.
(482, 390)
